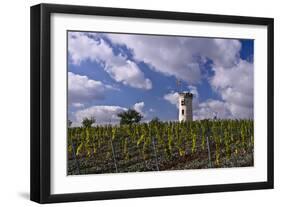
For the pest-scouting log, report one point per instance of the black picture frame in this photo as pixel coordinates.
(41, 97)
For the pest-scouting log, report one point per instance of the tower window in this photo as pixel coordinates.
(182, 112)
(182, 102)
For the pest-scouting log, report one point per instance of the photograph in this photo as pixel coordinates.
(150, 102)
(133, 103)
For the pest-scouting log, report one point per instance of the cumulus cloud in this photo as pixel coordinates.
(139, 107)
(178, 56)
(173, 98)
(210, 109)
(87, 46)
(235, 85)
(205, 110)
(128, 73)
(81, 89)
(223, 52)
(182, 58)
(102, 114)
(164, 54)
(233, 105)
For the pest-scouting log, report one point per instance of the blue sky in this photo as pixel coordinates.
(109, 73)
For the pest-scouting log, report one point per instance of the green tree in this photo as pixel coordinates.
(129, 117)
(87, 122)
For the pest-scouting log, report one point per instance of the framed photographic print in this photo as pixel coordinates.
(133, 103)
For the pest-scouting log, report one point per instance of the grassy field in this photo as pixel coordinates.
(158, 146)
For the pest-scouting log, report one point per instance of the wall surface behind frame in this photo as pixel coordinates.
(14, 104)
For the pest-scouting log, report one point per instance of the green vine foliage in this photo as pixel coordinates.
(227, 139)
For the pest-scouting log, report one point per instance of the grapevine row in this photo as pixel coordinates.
(160, 141)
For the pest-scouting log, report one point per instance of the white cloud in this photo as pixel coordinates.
(81, 89)
(234, 105)
(102, 114)
(129, 74)
(178, 56)
(211, 108)
(172, 97)
(235, 85)
(181, 57)
(223, 52)
(164, 54)
(82, 47)
(193, 90)
(139, 107)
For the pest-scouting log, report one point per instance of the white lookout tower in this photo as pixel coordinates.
(185, 106)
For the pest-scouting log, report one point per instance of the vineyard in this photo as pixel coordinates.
(158, 146)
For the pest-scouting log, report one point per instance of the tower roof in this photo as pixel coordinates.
(186, 94)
